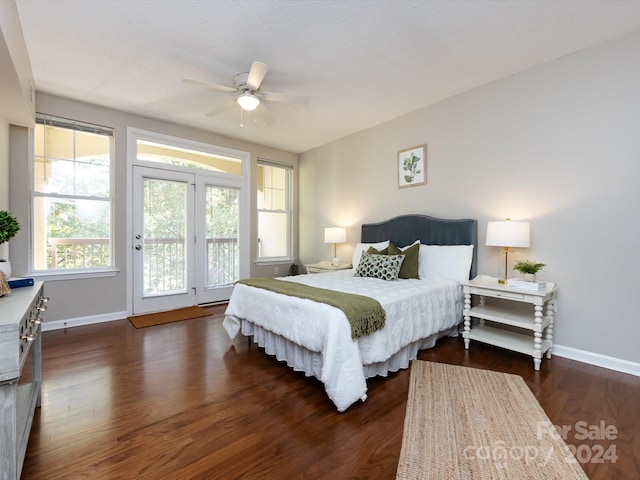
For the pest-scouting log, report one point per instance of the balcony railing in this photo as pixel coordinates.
(222, 261)
(78, 253)
(164, 258)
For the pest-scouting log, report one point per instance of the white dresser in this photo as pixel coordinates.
(20, 374)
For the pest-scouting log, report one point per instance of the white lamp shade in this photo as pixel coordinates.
(335, 235)
(508, 234)
(248, 102)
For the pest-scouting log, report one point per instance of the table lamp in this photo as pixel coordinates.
(507, 234)
(335, 235)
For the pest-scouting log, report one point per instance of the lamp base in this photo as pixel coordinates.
(502, 268)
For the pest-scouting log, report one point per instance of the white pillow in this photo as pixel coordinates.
(445, 261)
(363, 247)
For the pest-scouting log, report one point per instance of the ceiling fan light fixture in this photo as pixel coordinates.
(248, 101)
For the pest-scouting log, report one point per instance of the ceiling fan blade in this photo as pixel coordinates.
(214, 86)
(221, 108)
(285, 97)
(256, 75)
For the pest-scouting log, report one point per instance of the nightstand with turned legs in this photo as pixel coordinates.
(522, 319)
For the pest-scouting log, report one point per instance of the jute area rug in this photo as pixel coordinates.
(151, 319)
(467, 423)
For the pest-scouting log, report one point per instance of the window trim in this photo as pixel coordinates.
(243, 182)
(289, 213)
(135, 134)
(72, 273)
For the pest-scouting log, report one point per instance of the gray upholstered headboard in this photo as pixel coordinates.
(406, 229)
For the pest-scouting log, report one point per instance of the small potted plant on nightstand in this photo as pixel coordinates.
(9, 226)
(528, 269)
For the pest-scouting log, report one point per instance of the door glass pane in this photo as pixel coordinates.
(222, 236)
(165, 227)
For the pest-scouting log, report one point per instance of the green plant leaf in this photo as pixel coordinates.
(528, 266)
(9, 226)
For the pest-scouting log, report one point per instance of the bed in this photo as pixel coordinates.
(316, 338)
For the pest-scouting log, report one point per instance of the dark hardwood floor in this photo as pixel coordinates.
(180, 401)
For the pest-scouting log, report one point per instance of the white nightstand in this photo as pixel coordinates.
(323, 267)
(515, 312)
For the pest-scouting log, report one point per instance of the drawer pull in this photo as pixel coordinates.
(29, 337)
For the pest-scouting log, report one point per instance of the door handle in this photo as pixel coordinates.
(138, 247)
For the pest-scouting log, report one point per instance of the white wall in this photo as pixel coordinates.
(558, 145)
(15, 88)
(16, 78)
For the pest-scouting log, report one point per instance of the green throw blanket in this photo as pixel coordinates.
(365, 314)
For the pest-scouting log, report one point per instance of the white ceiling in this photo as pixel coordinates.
(362, 62)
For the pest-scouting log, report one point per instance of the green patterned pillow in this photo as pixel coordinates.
(409, 267)
(385, 267)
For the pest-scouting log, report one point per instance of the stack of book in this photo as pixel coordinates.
(524, 285)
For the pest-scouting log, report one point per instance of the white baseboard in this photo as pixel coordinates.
(612, 363)
(76, 322)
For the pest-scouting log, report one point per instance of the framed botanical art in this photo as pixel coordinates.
(412, 166)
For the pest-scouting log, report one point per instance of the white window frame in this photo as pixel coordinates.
(288, 257)
(241, 182)
(79, 273)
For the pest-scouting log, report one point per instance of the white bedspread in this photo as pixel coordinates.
(415, 309)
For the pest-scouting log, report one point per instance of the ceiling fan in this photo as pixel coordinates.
(248, 93)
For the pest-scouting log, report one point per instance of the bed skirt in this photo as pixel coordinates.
(301, 359)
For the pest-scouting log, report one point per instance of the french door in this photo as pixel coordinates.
(186, 238)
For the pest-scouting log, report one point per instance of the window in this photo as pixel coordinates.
(150, 151)
(274, 211)
(71, 190)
